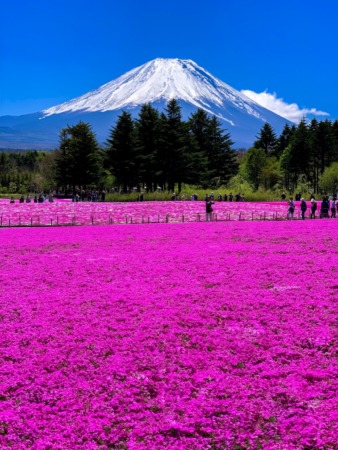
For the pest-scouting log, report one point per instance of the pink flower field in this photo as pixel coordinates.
(87, 213)
(208, 336)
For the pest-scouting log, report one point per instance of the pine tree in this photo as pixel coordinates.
(171, 155)
(299, 150)
(222, 159)
(334, 129)
(198, 127)
(283, 140)
(78, 161)
(147, 142)
(121, 150)
(267, 140)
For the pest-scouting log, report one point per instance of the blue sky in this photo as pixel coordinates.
(284, 53)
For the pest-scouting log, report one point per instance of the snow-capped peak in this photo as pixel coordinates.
(160, 79)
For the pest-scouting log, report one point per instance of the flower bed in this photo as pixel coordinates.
(93, 213)
(186, 336)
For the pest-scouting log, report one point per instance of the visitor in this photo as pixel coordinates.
(28, 199)
(212, 197)
(219, 198)
(12, 200)
(22, 199)
(208, 209)
(313, 208)
(103, 195)
(333, 205)
(283, 196)
(291, 209)
(303, 207)
(231, 197)
(225, 197)
(324, 209)
(298, 196)
(238, 197)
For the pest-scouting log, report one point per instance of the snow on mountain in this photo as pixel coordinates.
(155, 82)
(160, 79)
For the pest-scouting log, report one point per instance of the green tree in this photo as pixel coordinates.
(147, 141)
(284, 163)
(171, 155)
(46, 171)
(222, 161)
(271, 176)
(329, 179)
(121, 152)
(299, 151)
(334, 128)
(267, 140)
(284, 139)
(78, 161)
(199, 140)
(255, 163)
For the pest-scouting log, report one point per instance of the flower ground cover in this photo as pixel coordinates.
(178, 336)
(86, 213)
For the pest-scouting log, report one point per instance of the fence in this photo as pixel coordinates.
(44, 220)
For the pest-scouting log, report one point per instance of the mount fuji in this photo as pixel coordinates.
(155, 82)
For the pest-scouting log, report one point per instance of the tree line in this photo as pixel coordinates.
(303, 155)
(153, 150)
(163, 150)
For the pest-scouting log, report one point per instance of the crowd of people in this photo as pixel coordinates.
(38, 198)
(328, 208)
(89, 195)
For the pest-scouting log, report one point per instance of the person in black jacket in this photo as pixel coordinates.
(303, 207)
(324, 209)
(208, 209)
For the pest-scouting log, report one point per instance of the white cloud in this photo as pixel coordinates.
(290, 111)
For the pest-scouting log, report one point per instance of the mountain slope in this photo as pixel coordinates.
(155, 82)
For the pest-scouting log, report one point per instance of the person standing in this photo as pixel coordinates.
(313, 208)
(303, 207)
(291, 209)
(324, 209)
(208, 209)
(333, 205)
